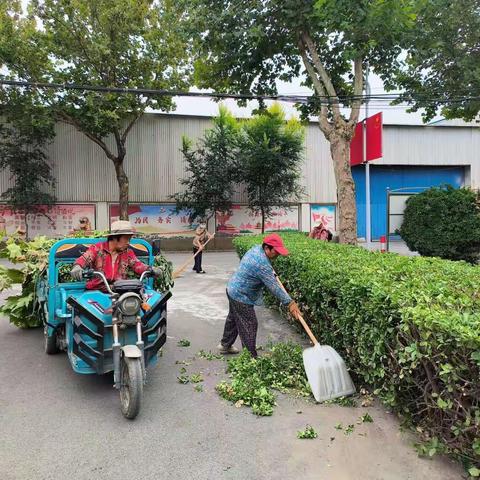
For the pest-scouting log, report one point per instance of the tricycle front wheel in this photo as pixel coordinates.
(131, 388)
(50, 341)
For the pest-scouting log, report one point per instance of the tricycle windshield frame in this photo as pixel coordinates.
(67, 250)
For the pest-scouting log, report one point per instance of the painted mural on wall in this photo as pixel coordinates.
(158, 218)
(55, 221)
(241, 220)
(324, 214)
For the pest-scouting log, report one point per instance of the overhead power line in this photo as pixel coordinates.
(386, 97)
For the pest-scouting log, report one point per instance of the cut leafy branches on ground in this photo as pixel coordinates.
(365, 418)
(196, 378)
(183, 379)
(349, 429)
(209, 355)
(309, 432)
(253, 381)
(183, 343)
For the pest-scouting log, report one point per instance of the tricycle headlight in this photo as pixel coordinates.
(130, 305)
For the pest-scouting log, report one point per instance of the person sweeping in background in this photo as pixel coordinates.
(200, 239)
(244, 290)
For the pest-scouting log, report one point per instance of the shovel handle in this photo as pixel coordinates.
(307, 329)
(300, 317)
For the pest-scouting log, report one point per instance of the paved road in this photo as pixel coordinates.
(58, 425)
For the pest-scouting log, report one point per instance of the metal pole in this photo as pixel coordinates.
(388, 219)
(368, 220)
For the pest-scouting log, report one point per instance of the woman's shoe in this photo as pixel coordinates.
(201, 271)
(227, 350)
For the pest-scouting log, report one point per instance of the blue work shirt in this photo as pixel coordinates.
(255, 272)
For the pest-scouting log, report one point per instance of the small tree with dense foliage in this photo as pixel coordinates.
(23, 137)
(210, 167)
(443, 222)
(270, 157)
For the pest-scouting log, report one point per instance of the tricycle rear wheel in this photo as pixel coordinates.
(131, 388)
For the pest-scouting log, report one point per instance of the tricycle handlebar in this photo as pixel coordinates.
(91, 273)
(146, 273)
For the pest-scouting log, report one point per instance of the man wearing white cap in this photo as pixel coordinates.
(114, 258)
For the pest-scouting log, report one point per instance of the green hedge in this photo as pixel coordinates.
(443, 222)
(407, 326)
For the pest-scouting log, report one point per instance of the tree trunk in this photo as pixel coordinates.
(347, 210)
(263, 220)
(27, 236)
(122, 180)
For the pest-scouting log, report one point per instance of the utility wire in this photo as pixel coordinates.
(302, 99)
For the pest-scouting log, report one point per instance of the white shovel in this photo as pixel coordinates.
(326, 371)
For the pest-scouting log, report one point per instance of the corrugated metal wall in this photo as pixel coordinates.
(319, 176)
(425, 145)
(154, 162)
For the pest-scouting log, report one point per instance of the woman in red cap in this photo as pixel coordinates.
(244, 290)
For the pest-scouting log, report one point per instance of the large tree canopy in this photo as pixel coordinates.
(443, 63)
(108, 43)
(247, 46)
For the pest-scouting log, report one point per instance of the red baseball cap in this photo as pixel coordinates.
(275, 241)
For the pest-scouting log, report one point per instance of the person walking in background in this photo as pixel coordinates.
(200, 239)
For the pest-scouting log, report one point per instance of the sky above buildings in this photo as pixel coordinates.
(391, 114)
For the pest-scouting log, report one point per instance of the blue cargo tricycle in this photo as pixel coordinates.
(121, 330)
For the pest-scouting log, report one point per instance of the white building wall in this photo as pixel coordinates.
(155, 164)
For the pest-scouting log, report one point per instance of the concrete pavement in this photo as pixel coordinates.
(56, 424)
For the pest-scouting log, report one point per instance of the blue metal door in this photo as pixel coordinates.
(393, 177)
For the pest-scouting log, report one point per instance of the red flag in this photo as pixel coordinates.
(356, 146)
(374, 137)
